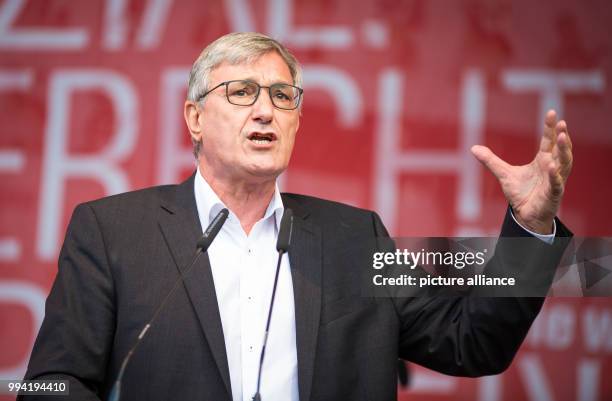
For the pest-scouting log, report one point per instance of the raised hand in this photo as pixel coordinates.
(535, 190)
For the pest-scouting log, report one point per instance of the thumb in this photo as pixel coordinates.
(491, 161)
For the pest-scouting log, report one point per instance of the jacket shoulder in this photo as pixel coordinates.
(129, 206)
(327, 210)
(139, 196)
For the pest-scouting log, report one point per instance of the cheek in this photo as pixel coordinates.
(225, 132)
(226, 120)
(291, 139)
(289, 144)
(290, 131)
(218, 142)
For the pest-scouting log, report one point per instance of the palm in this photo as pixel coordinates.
(528, 189)
(535, 190)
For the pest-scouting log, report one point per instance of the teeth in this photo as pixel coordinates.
(261, 141)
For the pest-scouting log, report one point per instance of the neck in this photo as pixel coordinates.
(247, 200)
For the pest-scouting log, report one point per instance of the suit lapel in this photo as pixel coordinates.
(305, 260)
(181, 229)
(180, 226)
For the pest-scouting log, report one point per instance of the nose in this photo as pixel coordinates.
(263, 109)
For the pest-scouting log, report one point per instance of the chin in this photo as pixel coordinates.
(264, 173)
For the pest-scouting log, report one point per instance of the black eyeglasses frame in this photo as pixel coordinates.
(227, 83)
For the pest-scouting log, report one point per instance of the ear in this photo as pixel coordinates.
(191, 113)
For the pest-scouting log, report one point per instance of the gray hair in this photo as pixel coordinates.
(235, 48)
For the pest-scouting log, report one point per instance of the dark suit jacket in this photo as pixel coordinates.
(122, 254)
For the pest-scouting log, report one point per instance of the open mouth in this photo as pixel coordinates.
(261, 138)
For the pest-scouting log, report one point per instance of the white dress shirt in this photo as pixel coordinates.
(243, 268)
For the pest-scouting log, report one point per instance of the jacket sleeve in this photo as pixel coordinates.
(474, 335)
(77, 332)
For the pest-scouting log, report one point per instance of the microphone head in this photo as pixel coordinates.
(284, 234)
(212, 230)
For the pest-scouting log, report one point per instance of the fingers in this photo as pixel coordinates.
(561, 128)
(497, 166)
(549, 135)
(556, 180)
(556, 139)
(563, 150)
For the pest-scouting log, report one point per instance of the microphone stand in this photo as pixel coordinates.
(201, 247)
(282, 245)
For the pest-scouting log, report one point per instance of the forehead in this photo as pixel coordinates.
(268, 68)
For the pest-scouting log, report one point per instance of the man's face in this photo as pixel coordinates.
(232, 145)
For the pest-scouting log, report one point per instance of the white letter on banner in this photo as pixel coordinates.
(36, 38)
(341, 88)
(58, 164)
(391, 160)
(532, 373)
(240, 16)
(116, 25)
(597, 330)
(587, 379)
(30, 296)
(560, 327)
(153, 22)
(279, 26)
(13, 160)
(489, 388)
(173, 155)
(552, 85)
(280, 19)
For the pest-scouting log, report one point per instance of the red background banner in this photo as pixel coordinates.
(396, 92)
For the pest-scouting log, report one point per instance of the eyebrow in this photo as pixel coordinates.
(252, 79)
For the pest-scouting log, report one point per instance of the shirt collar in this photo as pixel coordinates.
(209, 204)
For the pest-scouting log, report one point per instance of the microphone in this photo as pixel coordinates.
(212, 230)
(202, 246)
(284, 234)
(282, 246)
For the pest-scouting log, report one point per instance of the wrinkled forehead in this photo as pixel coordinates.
(267, 67)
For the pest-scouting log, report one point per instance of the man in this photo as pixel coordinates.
(122, 254)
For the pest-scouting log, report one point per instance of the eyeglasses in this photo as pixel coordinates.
(245, 93)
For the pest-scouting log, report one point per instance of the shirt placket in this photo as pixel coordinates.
(251, 328)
